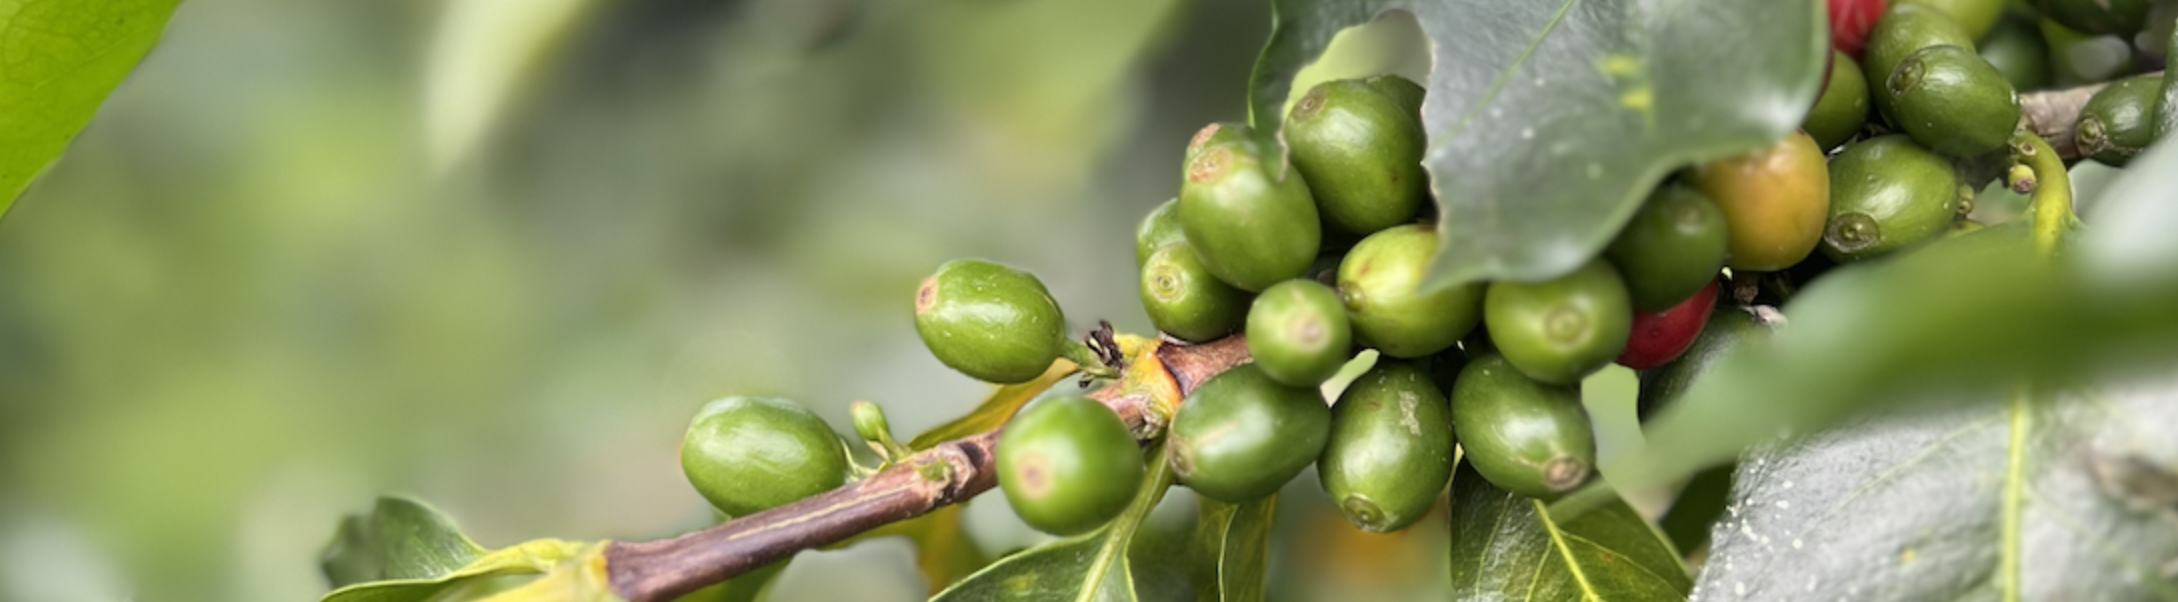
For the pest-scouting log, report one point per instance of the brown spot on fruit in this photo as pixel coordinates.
(1209, 165)
(1563, 473)
(926, 295)
(1201, 136)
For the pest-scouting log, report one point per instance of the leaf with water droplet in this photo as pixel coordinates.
(2064, 496)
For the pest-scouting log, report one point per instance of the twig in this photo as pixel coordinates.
(948, 473)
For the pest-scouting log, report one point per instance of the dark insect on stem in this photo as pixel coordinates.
(1106, 345)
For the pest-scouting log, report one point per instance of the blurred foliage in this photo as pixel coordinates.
(247, 301)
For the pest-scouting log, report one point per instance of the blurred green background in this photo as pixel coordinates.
(270, 281)
(495, 253)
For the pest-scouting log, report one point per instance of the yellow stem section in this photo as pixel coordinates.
(2051, 205)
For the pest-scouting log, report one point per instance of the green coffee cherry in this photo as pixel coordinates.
(1361, 153)
(1974, 16)
(1185, 300)
(1240, 436)
(1408, 93)
(2017, 50)
(2166, 113)
(1298, 333)
(747, 454)
(989, 321)
(1380, 280)
(1887, 193)
(1161, 227)
(1247, 212)
(1728, 328)
(2119, 120)
(1904, 28)
(1524, 436)
(1953, 102)
(1843, 107)
(2118, 17)
(1673, 247)
(1560, 330)
(1390, 451)
(1067, 464)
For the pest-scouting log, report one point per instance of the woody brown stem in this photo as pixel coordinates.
(948, 473)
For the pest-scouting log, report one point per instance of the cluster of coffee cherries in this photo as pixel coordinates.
(1315, 245)
(1313, 242)
(1945, 73)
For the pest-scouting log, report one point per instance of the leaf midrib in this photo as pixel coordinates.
(1557, 540)
(1490, 95)
(1121, 531)
(2015, 462)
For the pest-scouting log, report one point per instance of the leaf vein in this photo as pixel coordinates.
(1482, 561)
(1557, 540)
(2015, 462)
(1575, 537)
(2103, 546)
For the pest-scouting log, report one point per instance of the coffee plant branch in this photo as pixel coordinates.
(957, 470)
(948, 473)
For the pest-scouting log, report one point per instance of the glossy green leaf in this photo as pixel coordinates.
(400, 538)
(1082, 568)
(404, 551)
(2074, 497)
(1550, 120)
(1955, 321)
(995, 410)
(1232, 549)
(58, 61)
(1506, 546)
